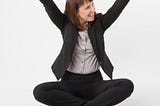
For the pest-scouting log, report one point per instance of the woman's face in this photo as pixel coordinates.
(86, 12)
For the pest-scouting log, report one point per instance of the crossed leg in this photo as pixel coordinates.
(53, 94)
(104, 93)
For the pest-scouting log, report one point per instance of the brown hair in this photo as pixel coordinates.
(71, 10)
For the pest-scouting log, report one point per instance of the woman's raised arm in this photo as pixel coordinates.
(112, 14)
(54, 13)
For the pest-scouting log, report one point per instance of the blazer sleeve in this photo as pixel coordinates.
(56, 16)
(112, 14)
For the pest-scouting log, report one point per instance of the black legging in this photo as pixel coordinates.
(83, 90)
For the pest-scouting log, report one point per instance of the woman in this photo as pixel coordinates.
(81, 56)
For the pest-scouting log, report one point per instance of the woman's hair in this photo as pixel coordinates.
(71, 9)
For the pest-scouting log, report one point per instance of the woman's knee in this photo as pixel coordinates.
(38, 91)
(128, 85)
(41, 90)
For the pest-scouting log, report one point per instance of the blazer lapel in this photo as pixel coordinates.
(93, 40)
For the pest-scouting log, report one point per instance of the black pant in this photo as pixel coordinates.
(83, 90)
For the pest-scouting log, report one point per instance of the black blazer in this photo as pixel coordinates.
(95, 31)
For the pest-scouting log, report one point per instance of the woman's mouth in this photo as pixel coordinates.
(91, 15)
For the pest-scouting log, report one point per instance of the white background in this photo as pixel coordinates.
(30, 42)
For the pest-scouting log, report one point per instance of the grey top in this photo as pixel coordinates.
(83, 60)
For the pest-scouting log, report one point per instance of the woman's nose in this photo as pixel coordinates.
(92, 9)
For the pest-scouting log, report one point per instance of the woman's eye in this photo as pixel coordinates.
(88, 7)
